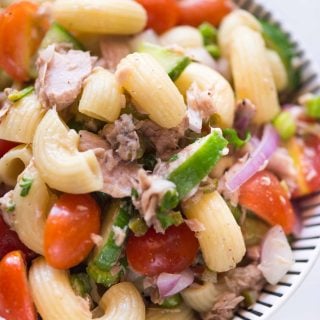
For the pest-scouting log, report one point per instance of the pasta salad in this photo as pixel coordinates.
(149, 158)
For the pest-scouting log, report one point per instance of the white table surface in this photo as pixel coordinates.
(301, 17)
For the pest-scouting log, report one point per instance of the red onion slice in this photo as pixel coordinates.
(276, 255)
(256, 161)
(170, 284)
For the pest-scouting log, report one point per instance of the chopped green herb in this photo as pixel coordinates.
(209, 33)
(80, 283)
(285, 124)
(168, 219)
(11, 206)
(173, 158)
(134, 193)
(214, 51)
(138, 226)
(25, 186)
(232, 136)
(17, 95)
(171, 302)
(313, 107)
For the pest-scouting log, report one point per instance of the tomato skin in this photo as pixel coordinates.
(20, 35)
(9, 241)
(68, 229)
(15, 297)
(5, 146)
(154, 253)
(194, 12)
(264, 195)
(162, 14)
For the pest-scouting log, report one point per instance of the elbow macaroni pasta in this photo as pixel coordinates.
(278, 70)
(234, 20)
(55, 299)
(101, 16)
(221, 242)
(184, 36)
(31, 210)
(102, 97)
(151, 89)
(222, 96)
(21, 120)
(13, 163)
(58, 160)
(252, 74)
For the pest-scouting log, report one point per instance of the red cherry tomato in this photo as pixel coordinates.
(21, 31)
(15, 298)
(69, 226)
(154, 253)
(5, 146)
(162, 14)
(9, 241)
(194, 12)
(264, 195)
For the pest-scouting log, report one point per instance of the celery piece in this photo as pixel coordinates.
(169, 219)
(138, 226)
(313, 107)
(208, 32)
(285, 124)
(117, 215)
(173, 62)
(232, 136)
(58, 34)
(253, 230)
(207, 151)
(80, 283)
(214, 50)
(104, 277)
(250, 297)
(17, 95)
(172, 301)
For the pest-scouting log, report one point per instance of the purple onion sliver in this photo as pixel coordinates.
(265, 149)
(170, 284)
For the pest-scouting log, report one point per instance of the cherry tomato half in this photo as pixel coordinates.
(194, 12)
(21, 31)
(69, 226)
(15, 298)
(154, 253)
(9, 241)
(162, 14)
(264, 195)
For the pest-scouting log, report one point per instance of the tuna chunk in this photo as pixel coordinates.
(151, 189)
(165, 141)
(223, 309)
(61, 75)
(123, 137)
(119, 177)
(113, 50)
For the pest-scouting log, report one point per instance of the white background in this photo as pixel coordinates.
(301, 17)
